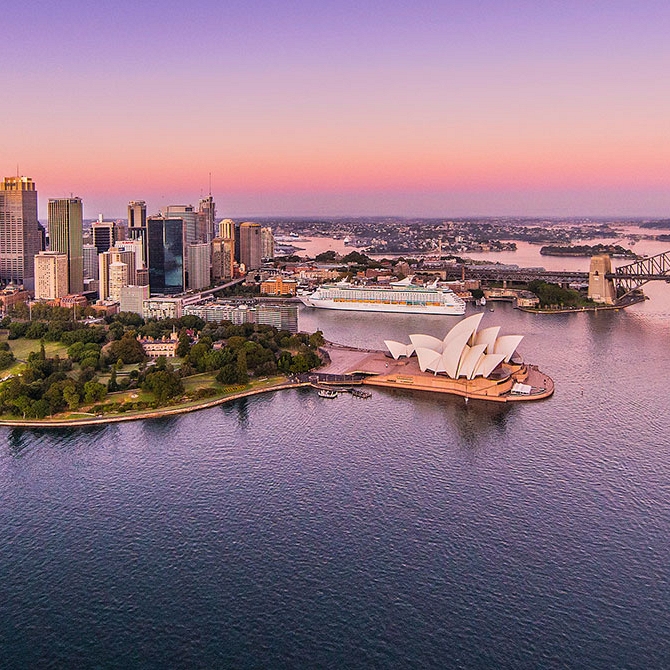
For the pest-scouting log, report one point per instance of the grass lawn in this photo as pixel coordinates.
(22, 347)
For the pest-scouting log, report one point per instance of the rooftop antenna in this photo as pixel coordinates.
(210, 183)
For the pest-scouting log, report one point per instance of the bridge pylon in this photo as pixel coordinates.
(601, 288)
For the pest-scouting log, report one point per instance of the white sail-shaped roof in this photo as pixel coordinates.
(429, 360)
(399, 349)
(488, 337)
(464, 352)
(468, 326)
(456, 340)
(507, 345)
(488, 363)
(470, 359)
(426, 342)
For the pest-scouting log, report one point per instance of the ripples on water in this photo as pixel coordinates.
(401, 531)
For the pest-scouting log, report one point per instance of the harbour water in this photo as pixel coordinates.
(403, 530)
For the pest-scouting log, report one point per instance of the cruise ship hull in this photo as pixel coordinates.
(351, 306)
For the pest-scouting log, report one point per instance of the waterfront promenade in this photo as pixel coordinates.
(75, 419)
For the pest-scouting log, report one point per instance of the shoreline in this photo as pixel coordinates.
(574, 310)
(140, 416)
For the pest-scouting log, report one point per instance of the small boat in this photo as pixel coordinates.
(358, 393)
(327, 393)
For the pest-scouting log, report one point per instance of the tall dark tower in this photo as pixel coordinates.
(165, 246)
(137, 224)
(66, 235)
(20, 238)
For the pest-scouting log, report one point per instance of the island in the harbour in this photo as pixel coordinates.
(615, 250)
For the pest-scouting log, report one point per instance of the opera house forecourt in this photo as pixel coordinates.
(467, 362)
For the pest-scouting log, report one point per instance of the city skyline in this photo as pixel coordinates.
(532, 109)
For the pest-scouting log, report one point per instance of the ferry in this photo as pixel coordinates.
(400, 297)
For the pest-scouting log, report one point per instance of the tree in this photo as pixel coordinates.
(6, 356)
(112, 384)
(70, 396)
(326, 257)
(163, 384)
(128, 348)
(316, 340)
(94, 391)
(184, 345)
(227, 375)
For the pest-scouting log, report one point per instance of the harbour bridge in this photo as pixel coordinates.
(631, 277)
(605, 283)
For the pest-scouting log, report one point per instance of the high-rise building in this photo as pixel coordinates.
(142, 277)
(223, 259)
(118, 278)
(66, 236)
(103, 233)
(165, 247)
(137, 215)
(226, 229)
(250, 245)
(90, 261)
(137, 224)
(199, 265)
(267, 243)
(51, 275)
(132, 298)
(20, 238)
(207, 218)
(188, 215)
(119, 254)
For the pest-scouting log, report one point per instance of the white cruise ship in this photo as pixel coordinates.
(401, 297)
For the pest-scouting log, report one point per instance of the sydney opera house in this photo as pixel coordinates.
(464, 352)
(468, 362)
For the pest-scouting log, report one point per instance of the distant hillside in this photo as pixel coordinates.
(661, 223)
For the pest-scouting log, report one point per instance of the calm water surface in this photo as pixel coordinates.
(401, 531)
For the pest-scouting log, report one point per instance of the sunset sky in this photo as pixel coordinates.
(341, 108)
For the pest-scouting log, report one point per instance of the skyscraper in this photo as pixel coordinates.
(199, 265)
(207, 217)
(137, 215)
(267, 243)
(20, 238)
(226, 229)
(223, 259)
(50, 275)
(189, 217)
(103, 233)
(165, 246)
(67, 237)
(137, 224)
(90, 261)
(250, 245)
(120, 254)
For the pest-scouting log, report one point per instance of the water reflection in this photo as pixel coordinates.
(238, 408)
(160, 427)
(476, 422)
(62, 439)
